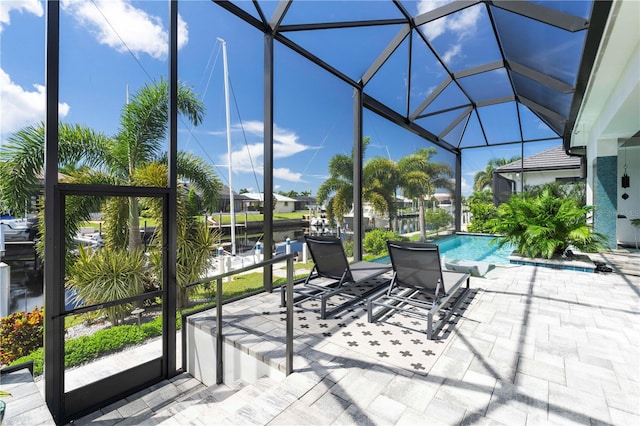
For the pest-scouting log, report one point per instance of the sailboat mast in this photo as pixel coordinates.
(226, 99)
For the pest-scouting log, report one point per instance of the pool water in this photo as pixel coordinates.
(475, 247)
(471, 247)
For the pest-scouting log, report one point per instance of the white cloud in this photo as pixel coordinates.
(465, 22)
(285, 142)
(7, 6)
(286, 174)
(249, 159)
(451, 53)
(461, 25)
(466, 187)
(246, 159)
(435, 28)
(118, 24)
(20, 107)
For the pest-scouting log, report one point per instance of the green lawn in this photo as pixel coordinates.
(241, 217)
(226, 219)
(243, 284)
(96, 224)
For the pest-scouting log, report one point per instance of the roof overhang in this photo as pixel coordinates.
(610, 108)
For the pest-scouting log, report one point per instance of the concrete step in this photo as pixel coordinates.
(25, 405)
(240, 406)
(258, 403)
(142, 406)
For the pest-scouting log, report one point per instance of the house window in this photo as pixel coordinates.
(286, 203)
(572, 179)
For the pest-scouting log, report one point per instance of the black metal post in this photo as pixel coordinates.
(458, 194)
(219, 366)
(169, 231)
(54, 224)
(358, 231)
(289, 337)
(268, 159)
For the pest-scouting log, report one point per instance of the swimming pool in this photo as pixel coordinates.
(470, 247)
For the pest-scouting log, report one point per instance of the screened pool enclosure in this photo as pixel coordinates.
(458, 76)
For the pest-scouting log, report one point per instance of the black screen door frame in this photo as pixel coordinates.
(85, 399)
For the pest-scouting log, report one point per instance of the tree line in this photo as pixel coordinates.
(416, 175)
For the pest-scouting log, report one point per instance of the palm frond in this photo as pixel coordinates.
(108, 274)
(202, 176)
(144, 121)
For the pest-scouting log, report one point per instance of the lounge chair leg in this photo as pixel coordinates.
(429, 326)
(283, 301)
(323, 307)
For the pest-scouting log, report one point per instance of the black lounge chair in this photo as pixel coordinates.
(332, 274)
(419, 282)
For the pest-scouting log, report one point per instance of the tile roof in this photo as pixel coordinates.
(552, 159)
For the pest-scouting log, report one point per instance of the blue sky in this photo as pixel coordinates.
(107, 46)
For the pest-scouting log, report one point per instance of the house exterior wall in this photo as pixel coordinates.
(284, 206)
(540, 177)
(601, 145)
(627, 234)
(611, 114)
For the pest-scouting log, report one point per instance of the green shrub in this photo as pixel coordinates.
(20, 334)
(438, 218)
(86, 348)
(153, 328)
(545, 225)
(481, 216)
(348, 247)
(375, 242)
(37, 357)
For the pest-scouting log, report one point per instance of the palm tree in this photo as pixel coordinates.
(340, 184)
(144, 121)
(114, 160)
(132, 157)
(484, 178)
(419, 177)
(108, 274)
(195, 240)
(22, 159)
(379, 177)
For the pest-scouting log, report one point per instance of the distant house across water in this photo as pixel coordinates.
(305, 203)
(255, 200)
(224, 201)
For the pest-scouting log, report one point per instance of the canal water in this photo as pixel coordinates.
(26, 278)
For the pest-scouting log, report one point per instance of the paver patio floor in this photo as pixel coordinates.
(533, 346)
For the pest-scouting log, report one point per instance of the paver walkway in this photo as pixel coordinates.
(535, 346)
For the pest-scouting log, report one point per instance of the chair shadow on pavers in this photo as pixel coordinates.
(333, 275)
(420, 287)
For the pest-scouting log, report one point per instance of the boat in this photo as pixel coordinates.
(93, 240)
(370, 219)
(319, 221)
(17, 230)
